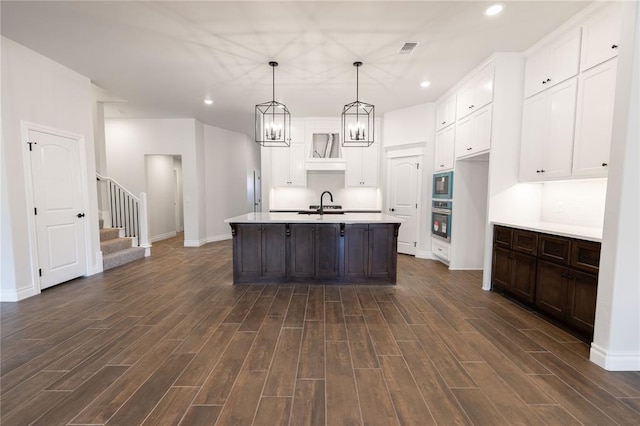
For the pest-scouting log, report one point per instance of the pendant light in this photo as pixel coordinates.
(358, 120)
(273, 119)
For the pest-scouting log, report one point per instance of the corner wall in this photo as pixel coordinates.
(38, 90)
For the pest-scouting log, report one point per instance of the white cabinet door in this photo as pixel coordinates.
(552, 64)
(601, 37)
(280, 166)
(370, 165)
(362, 166)
(297, 172)
(477, 93)
(594, 121)
(534, 134)
(444, 155)
(287, 166)
(547, 134)
(473, 133)
(558, 146)
(446, 112)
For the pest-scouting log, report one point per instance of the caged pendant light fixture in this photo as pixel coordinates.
(273, 119)
(358, 120)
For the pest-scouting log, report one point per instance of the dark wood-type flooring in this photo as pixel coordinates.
(168, 340)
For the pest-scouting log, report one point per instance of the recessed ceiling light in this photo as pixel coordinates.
(208, 101)
(494, 10)
(425, 84)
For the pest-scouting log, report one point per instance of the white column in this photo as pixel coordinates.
(616, 342)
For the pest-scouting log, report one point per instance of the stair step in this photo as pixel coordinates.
(114, 245)
(122, 257)
(109, 233)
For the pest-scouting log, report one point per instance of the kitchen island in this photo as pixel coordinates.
(347, 248)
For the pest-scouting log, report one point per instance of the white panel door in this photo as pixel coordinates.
(403, 179)
(558, 146)
(60, 219)
(370, 165)
(353, 172)
(601, 37)
(280, 166)
(535, 128)
(444, 149)
(297, 172)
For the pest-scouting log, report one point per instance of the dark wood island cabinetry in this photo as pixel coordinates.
(315, 250)
(554, 274)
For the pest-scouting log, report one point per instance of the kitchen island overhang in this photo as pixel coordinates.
(349, 248)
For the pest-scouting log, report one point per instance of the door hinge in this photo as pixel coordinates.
(415, 244)
(35, 210)
(416, 205)
(40, 272)
(417, 165)
(31, 145)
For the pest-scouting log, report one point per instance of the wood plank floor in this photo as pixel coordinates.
(168, 340)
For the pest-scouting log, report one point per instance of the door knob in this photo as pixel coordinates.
(80, 215)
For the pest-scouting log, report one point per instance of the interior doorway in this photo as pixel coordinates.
(164, 187)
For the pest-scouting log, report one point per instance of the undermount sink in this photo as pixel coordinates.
(317, 212)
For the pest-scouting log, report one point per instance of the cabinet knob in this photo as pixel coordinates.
(548, 80)
(392, 209)
(537, 171)
(604, 164)
(441, 165)
(470, 106)
(469, 149)
(444, 122)
(544, 82)
(541, 171)
(614, 46)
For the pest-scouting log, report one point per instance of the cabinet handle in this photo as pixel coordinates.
(469, 149)
(614, 46)
(604, 164)
(444, 122)
(441, 165)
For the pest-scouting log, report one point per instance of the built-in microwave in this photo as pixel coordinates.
(443, 185)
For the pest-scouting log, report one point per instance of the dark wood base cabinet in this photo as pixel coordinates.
(556, 275)
(310, 252)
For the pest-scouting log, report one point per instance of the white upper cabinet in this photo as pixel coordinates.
(287, 166)
(444, 155)
(547, 133)
(552, 64)
(594, 121)
(473, 134)
(446, 112)
(476, 93)
(362, 166)
(601, 37)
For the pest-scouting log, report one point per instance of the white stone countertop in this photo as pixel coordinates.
(571, 231)
(313, 218)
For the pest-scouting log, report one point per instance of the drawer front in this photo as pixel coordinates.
(525, 242)
(585, 255)
(502, 236)
(556, 249)
(440, 250)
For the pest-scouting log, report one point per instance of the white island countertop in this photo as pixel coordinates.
(560, 229)
(313, 218)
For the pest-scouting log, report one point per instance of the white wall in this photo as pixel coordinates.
(230, 159)
(579, 203)
(616, 339)
(407, 125)
(160, 196)
(177, 168)
(37, 90)
(129, 140)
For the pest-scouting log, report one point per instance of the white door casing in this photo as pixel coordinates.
(403, 196)
(55, 177)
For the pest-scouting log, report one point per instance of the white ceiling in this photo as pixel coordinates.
(165, 57)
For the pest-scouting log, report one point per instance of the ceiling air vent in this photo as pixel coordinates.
(408, 48)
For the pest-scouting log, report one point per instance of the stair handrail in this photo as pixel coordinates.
(136, 226)
(107, 179)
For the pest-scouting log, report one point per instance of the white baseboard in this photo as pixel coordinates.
(220, 237)
(99, 266)
(15, 296)
(614, 361)
(466, 269)
(160, 237)
(147, 250)
(423, 254)
(195, 243)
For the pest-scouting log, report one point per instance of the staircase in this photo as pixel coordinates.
(128, 237)
(117, 250)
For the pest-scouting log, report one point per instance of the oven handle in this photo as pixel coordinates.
(441, 211)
